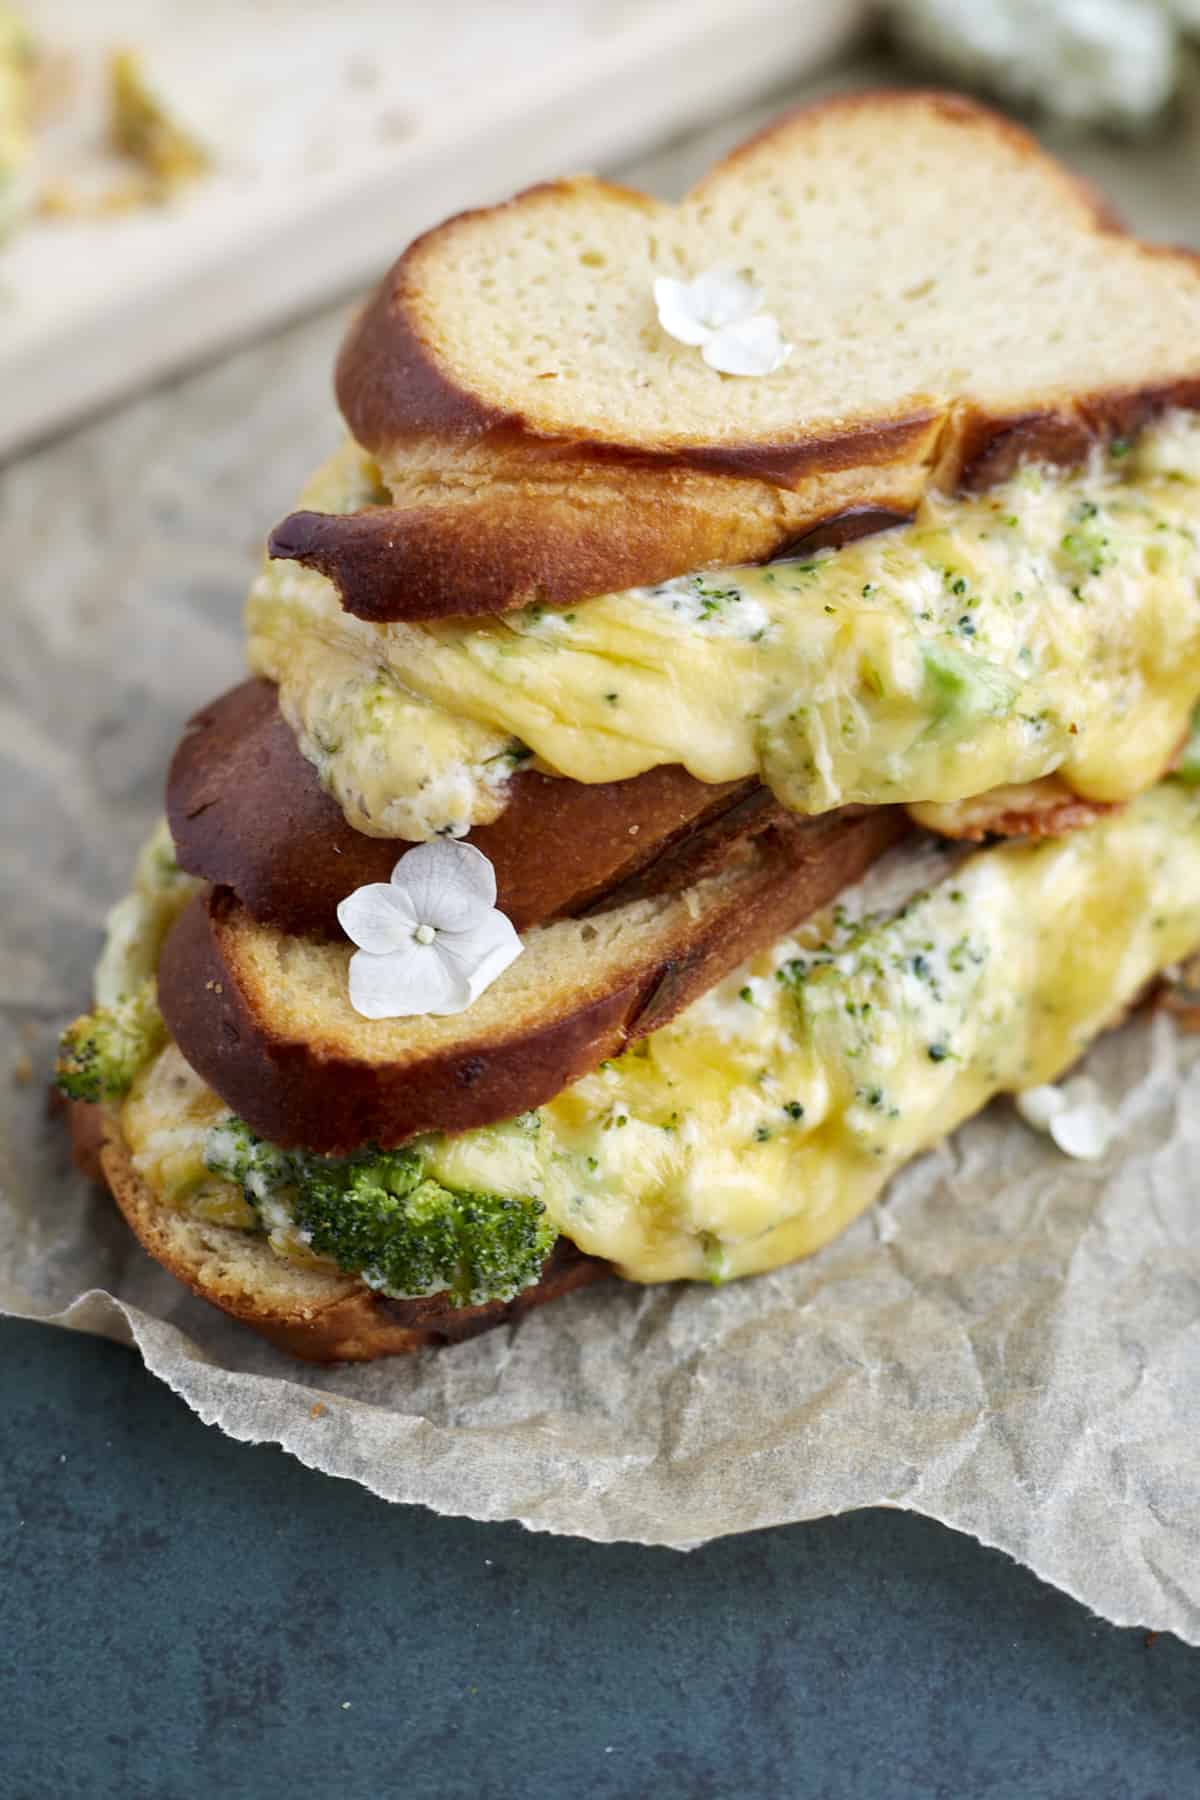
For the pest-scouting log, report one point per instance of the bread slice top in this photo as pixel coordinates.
(316, 1314)
(917, 249)
(265, 1018)
(941, 278)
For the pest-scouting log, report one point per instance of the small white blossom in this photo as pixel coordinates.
(1074, 1116)
(430, 940)
(693, 311)
(717, 313)
(1038, 1105)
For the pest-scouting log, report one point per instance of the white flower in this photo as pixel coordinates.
(694, 311)
(431, 939)
(719, 311)
(1074, 1116)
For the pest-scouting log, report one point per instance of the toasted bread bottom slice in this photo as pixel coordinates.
(318, 1316)
(265, 1018)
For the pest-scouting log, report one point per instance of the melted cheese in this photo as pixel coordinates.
(765, 1118)
(136, 926)
(1050, 625)
(165, 1120)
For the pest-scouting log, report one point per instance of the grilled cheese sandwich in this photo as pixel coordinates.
(575, 890)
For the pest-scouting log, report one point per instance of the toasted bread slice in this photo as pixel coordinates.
(1031, 809)
(265, 1018)
(955, 298)
(558, 847)
(321, 1317)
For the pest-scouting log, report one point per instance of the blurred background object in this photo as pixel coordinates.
(199, 172)
(1114, 63)
(16, 63)
(175, 178)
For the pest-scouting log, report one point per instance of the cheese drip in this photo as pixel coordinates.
(757, 1125)
(1051, 625)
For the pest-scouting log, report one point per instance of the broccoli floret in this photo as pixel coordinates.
(99, 1055)
(379, 1215)
(264, 1173)
(503, 1243)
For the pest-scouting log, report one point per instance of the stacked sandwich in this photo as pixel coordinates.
(713, 727)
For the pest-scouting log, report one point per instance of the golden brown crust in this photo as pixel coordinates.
(333, 1318)
(1037, 809)
(492, 509)
(1066, 814)
(991, 450)
(578, 528)
(331, 1098)
(391, 387)
(557, 847)
(560, 527)
(387, 381)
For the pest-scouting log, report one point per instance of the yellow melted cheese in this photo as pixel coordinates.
(765, 1118)
(1050, 625)
(136, 926)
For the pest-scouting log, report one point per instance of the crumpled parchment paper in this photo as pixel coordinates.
(1010, 1344)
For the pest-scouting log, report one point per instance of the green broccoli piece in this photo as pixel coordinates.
(232, 1151)
(100, 1054)
(379, 1215)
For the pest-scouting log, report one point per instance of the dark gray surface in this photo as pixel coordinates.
(185, 1616)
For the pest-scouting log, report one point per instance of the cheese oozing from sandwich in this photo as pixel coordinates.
(1051, 625)
(769, 1114)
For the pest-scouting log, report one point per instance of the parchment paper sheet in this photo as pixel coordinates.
(1011, 1344)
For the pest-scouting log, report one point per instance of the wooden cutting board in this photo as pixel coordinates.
(338, 132)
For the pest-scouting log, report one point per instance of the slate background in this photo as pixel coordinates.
(182, 1616)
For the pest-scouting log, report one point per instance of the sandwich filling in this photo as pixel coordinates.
(1050, 626)
(755, 1126)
